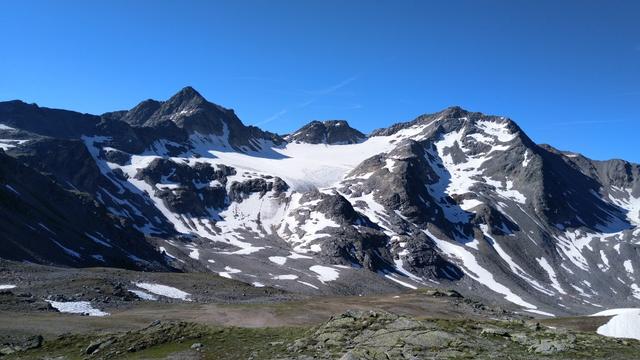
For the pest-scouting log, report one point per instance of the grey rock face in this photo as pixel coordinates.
(46, 122)
(189, 111)
(44, 223)
(382, 335)
(240, 190)
(455, 197)
(327, 132)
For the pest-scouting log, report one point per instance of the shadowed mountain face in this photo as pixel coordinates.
(456, 198)
(42, 222)
(331, 132)
(191, 112)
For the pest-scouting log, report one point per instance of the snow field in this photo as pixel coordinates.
(164, 290)
(77, 307)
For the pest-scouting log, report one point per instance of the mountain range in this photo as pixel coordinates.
(456, 199)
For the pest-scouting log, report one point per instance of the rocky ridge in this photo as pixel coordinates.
(353, 335)
(454, 197)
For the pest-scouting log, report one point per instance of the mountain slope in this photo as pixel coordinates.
(41, 222)
(455, 197)
(331, 132)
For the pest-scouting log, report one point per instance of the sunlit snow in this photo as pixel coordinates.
(325, 273)
(164, 290)
(77, 307)
(625, 323)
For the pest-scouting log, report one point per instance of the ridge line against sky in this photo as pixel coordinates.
(567, 72)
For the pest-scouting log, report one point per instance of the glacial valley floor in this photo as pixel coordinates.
(225, 319)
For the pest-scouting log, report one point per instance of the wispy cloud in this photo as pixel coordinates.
(341, 106)
(258, 78)
(333, 88)
(273, 117)
(589, 122)
(316, 95)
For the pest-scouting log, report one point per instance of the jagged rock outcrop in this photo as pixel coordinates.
(188, 110)
(378, 334)
(332, 132)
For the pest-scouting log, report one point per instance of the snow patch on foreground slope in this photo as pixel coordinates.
(164, 290)
(325, 273)
(625, 323)
(144, 295)
(77, 307)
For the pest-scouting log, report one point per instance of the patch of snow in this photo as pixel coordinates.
(612, 312)
(164, 290)
(526, 160)
(194, 254)
(468, 204)
(163, 249)
(628, 202)
(257, 284)
(497, 129)
(98, 257)
(46, 228)
(280, 260)
(285, 277)
(325, 273)
(539, 312)
(7, 287)
(77, 307)
(144, 295)
(98, 240)
(315, 248)
(6, 144)
(295, 255)
(400, 267)
(458, 177)
(552, 274)
(507, 191)
(12, 189)
(67, 250)
(228, 271)
(635, 291)
(625, 323)
(605, 261)
(308, 284)
(571, 243)
(473, 244)
(407, 285)
(469, 264)
(301, 232)
(515, 268)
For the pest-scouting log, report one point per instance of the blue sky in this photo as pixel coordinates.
(567, 71)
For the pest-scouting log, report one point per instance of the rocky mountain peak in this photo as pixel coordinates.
(188, 93)
(327, 132)
(453, 112)
(187, 98)
(451, 119)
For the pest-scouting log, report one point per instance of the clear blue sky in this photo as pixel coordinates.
(567, 71)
